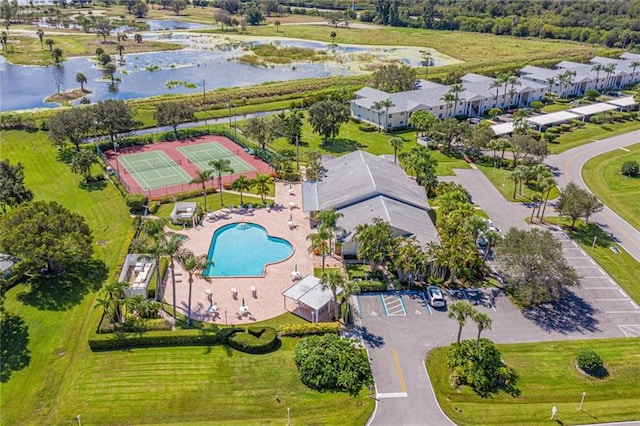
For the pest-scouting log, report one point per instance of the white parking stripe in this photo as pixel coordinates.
(574, 243)
(612, 281)
(591, 260)
(583, 253)
(601, 271)
(622, 292)
(587, 267)
(622, 312)
(599, 288)
(608, 300)
(634, 304)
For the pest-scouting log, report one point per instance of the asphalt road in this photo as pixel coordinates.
(399, 329)
(569, 166)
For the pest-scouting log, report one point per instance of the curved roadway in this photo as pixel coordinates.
(569, 166)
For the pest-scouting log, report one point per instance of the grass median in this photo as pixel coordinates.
(591, 133)
(547, 378)
(620, 193)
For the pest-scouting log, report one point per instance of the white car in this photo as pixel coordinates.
(435, 297)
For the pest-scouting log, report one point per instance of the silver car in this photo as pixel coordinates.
(435, 297)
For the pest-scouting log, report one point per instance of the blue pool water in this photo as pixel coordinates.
(244, 250)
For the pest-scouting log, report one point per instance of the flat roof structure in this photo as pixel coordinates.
(593, 109)
(555, 117)
(502, 128)
(623, 102)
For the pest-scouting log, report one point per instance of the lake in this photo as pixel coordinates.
(206, 59)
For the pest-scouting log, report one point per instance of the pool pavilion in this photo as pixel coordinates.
(312, 301)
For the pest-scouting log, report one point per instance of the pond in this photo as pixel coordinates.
(207, 60)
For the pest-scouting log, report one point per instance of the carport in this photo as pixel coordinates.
(553, 118)
(502, 128)
(627, 103)
(589, 110)
(313, 301)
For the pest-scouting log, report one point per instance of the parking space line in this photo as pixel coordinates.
(599, 288)
(396, 361)
(622, 312)
(583, 253)
(592, 262)
(608, 300)
(424, 299)
(596, 277)
(587, 267)
(384, 306)
(622, 292)
(574, 243)
(359, 306)
(404, 308)
(612, 281)
(634, 304)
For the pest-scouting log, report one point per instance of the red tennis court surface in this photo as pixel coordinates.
(171, 150)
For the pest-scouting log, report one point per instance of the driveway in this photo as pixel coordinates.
(569, 166)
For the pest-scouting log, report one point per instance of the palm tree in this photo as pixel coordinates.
(110, 70)
(277, 25)
(82, 161)
(461, 311)
(546, 185)
(172, 248)
(448, 99)
(492, 237)
(40, 33)
(483, 321)
(634, 65)
(333, 36)
(120, 48)
(192, 264)
(427, 60)
(597, 68)
(154, 229)
(57, 55)
(377, 107)
(328, 221)
(219, 167)
(49, 42)
(319, 242)
(349, 288)
(456, 90)
(496, 84)
(82, 79)
(261, 183)
(333, 280)
(552, 81)
(202, 176)
(138, 38)
(242, 184)
(517, 176)
(386, 104)
(114, 292)
(396, 144)
(610, 70)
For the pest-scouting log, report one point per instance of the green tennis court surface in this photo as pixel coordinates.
(201, 154)
(154, 170)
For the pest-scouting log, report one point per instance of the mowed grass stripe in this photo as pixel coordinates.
(620, 193)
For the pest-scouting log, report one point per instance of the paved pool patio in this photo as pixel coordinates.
(267, 301)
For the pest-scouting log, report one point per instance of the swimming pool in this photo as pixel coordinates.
(244, 250)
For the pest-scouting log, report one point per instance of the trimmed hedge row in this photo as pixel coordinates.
(372, 286)
(309, 329)
(251, 340)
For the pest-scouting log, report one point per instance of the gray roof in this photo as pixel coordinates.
(358, 176)
(593, 108)
(471, 77)
(622, 102)
(630, 56)
(554, 117)
(6, 262)
(405, 220)
(309, 291)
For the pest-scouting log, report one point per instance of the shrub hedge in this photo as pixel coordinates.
(108, 342)
(254, 340)
(589, 361)
(368, 286)
(366, 127)
(309, 329)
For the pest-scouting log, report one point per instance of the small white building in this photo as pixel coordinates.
(184, 212)
(138, 270)
(313, 302)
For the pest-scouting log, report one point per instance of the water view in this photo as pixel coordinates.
(207, 60)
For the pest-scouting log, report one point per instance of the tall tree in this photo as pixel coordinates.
(257, 128)
(40, 33)
(375, 242)
(461, 311)
(326, 117)
(219, 167)
(393, 78)
(328, 219)
(386, 104)
(333, 280)
(12, 189)
(534, 267)
(82, 79)
(396, 143)
(422, 121)
(70, 125)
(192, 265)
(483, 321)
(575, 202)
(262, 184)
(201, 178)
(173, 114)
(172, 248)
(241, 185)
(46, 237)
(319, 243)
(82, 161)
(114, 117)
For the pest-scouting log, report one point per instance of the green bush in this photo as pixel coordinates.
(630, 168)
(109, 342)
(369, 286)
(153, 207)
(255, 340)
(589, 361)
(309, 329)
(552, 130)
(136, 202)
(366, 127)
(565, 127)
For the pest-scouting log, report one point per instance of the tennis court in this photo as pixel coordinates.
(153, 169)
(200, 155)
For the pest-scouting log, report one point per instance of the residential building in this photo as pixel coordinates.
(362, 187)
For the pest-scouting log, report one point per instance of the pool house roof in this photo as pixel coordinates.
(310, 292)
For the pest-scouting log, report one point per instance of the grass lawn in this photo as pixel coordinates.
(547, 378)
(500, 179)
(623, 268)
(63, 378)
(590, 133)
(620, 193)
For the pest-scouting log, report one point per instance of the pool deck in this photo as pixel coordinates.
(267, 302)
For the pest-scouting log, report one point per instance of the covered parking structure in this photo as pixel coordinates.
(314, 301)
(542, 121)
(502, 128)
(627, 103)
(589, 110)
